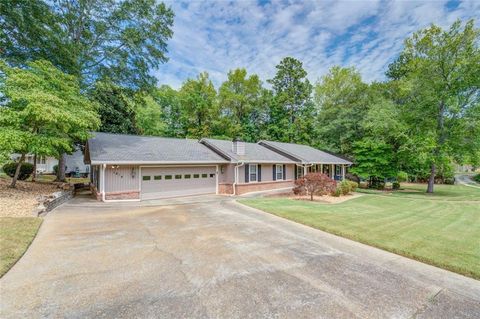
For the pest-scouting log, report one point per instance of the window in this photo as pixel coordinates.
(212, 175)
(187, 176)
(168, 176)
(253, 172)
(40, 159)
(196, 175)
(299, 171)
(157, 177)
(279, 171)
(178, 176)
(204, 175)
(146, 178)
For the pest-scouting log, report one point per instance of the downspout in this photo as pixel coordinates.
(103, 182)
(236, 177)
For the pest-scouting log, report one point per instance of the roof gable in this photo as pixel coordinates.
(254, 152)
(304, 153)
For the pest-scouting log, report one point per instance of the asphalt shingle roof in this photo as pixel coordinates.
(253, 152)
(119, 148)
(305, 153)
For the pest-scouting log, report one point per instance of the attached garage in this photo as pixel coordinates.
(162, 182)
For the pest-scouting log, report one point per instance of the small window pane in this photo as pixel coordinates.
(168, 176)
(187, 176)
(157, 177)
(178, 176)
(212, 175)
(196, 175)
(146, 178)
(204, 175)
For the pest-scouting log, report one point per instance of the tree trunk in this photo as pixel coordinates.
(17, 171)
(61, 168)
(311, 196)
(431, 180)
(34, 173)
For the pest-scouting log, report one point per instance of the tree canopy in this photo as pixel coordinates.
(120, 40)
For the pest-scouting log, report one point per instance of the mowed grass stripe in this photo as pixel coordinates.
(444, 233)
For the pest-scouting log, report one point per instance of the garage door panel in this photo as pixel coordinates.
(160, 182)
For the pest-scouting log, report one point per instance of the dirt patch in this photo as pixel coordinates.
(22, 200)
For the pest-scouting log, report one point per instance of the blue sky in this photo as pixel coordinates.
(217, 36)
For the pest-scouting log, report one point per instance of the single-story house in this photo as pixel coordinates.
(45, 164)
(131, 167)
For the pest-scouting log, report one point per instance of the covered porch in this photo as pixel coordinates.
(334, 171)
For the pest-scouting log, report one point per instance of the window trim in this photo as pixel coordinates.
(250, 173)
(277, 171)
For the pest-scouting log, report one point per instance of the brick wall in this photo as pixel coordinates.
(122, 195)
(224, 188)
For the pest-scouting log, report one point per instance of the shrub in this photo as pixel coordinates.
(353, 186)
(352, 177)
(55, 169)
(395, 185)
(314, 184)
(449, 180)
(344, 187)
(337, 192)
(476, 178)
(25, 170)
(402, 177)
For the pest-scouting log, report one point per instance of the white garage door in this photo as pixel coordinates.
(159, 182)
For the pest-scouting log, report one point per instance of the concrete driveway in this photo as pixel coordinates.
(208, 257)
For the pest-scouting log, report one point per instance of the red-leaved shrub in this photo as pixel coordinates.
(314, 184)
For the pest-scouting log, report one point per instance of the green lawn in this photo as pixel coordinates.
(16, 234)
(442, 229)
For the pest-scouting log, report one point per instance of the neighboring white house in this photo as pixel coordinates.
(45, 164)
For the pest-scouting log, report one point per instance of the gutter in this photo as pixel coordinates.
(104, 166)
(236, 177)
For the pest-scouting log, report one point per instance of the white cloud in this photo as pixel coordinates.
(217, 36)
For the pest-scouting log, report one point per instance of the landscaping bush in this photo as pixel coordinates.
(449, 180)
(402, 177)
(337, 192)
(314, 184)
(352, 177)
(55, 169)
(353, 186)
(476, 178)
(395, 185)
(25, 170)
(344, 187)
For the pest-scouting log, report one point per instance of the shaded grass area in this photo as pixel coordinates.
(442, 230)
(16, 234)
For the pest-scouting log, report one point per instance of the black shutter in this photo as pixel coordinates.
(247, 173)
(295, 172)
(284, 172)
(274, 172)
(259, 173)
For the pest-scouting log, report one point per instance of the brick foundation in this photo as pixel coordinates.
(225, 188)
(122, 195)
(255, 187)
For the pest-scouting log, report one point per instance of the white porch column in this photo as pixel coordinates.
(332, 171)
(305, 170)
(321, 168)
(343, 172)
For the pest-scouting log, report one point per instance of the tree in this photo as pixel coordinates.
(148, 115)
(43, 111)
(116, 110)
(291, 112)
(91, 39)
(314, 184)
(169, 101)
(240, 97)
(341, 99)
(440, 70)
(199, 107)
(374, 159)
